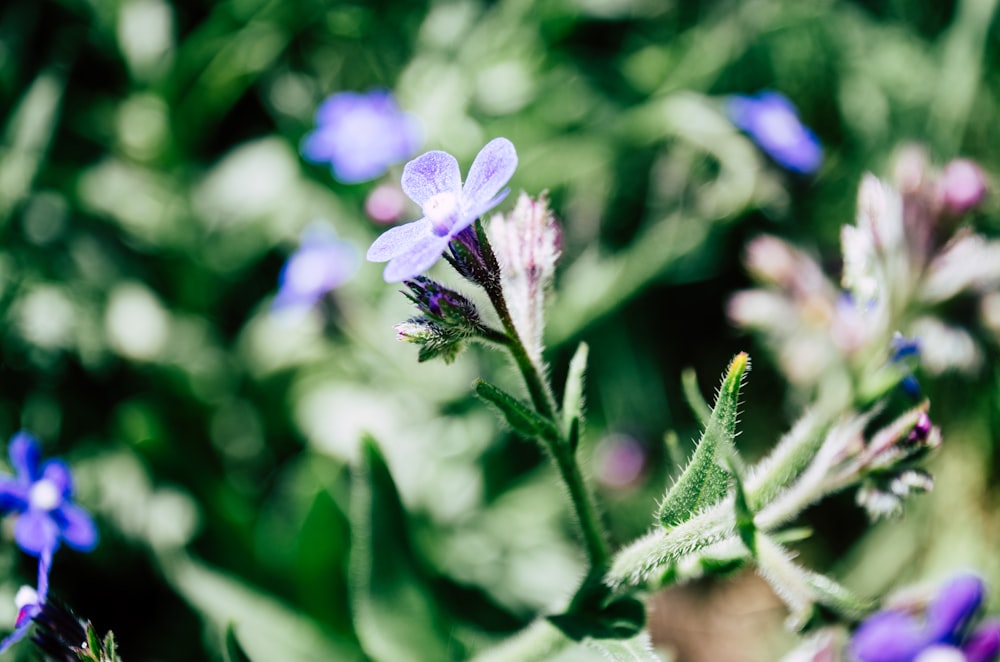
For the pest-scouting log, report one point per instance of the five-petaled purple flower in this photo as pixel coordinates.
(771, 120)
(434, 182)
(361, 135)
(944, 632)
(41, 495)
(321, 264)
(29, 602)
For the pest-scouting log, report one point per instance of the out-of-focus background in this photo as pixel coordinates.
(151, 188)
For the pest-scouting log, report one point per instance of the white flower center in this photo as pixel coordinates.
(44, 495)
(25, 596)
(440, 209)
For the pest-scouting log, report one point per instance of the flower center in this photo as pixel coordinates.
(441, 209)
(26, 595)
(44, 495)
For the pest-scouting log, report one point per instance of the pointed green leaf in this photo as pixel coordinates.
(572, 406)
(705, 479)
(394, 613)
(689, 383)
(523, 419)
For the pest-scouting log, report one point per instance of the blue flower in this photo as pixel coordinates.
(361, 135)
(41, 495)
(29, 602)
(321, 264)
(434, 182)
(771, 120)
(895, 635)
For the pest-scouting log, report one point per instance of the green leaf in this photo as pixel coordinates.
(706, 479)
(572, 405)
(523, 419)
(234, 652)
(689, 383)
(621, 619)
(394, 612)
(637, 648)
(268, 629)
(744, 516)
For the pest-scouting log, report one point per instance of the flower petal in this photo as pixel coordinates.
(953, 607)
(13, 495)
(25, 454)
(36, 532)
(983, 645)
(474, 213)
(492, 169)
(430, 174)
(78, 528)
(888, 636)
(417, 260)
(398, 240)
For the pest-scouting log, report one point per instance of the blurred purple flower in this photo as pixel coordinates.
(434, 182)
(321, 264)
(41, 494)
(897, 635)
(29, 602)
(361, 135)
(771, 120)
(962, 186)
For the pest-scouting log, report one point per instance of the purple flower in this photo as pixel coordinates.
(29, 602)
(41, 495)
(771, 120)
(361, 135)
(896, 635)
(434, 182)
(321, 264)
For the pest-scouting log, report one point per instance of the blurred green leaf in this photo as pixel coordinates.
(268, 629)
(394, 611)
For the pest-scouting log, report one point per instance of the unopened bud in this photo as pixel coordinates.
(962, 187)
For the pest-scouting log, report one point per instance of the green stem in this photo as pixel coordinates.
(544, 402)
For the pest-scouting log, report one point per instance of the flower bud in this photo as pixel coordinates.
(962, 187)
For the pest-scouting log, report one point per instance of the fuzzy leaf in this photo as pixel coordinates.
(705, 480)
(394, 614)
(638, 648)
(522, 418)
(572, 406)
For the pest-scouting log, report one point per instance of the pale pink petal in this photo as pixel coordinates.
(492, 169)
(398, 240)
(417, 260)
(430, 174)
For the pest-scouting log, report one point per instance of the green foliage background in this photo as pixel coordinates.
(150, 189)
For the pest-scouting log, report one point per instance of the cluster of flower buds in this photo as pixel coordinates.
(447, 319)
(906, 255)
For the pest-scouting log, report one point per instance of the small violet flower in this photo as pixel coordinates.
(361, 135)
(772, 122)
(321, 264)
(41, 495)
(434, 182)
(29, 602)
(897, 635)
